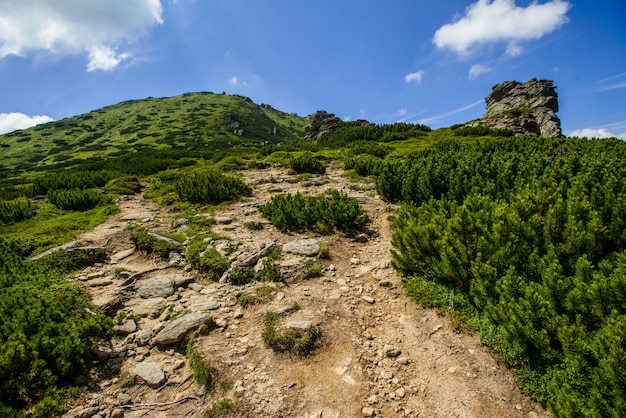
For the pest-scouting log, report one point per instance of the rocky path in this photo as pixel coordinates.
(379, 354)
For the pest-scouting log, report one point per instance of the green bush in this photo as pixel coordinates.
(293, 340)
(210, 187)
(123, 185)
(77, 199)
(16, 210)
(151, 245)
(316, 213)
(307, 163)
(207, 260)
(203, 372)
(528, 235)
(47, 331)
(221, 408)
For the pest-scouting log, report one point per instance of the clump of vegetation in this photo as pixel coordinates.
(16, 210)
(152, 245)
(254, 225)
(203, 372)
(78, 199)
(364, 165)
(221, 408)
(210, 187)
(258, 295)
(321, 214)
(307, 163)
(526, 239)
(207, 259)
(126, 185)
(297, 341)
(47, 331)
(309, 270)
(482, 131)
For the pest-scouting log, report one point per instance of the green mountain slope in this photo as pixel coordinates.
(192, 122)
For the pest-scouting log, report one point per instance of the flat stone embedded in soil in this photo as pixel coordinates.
(161, 286)
(176, 330)
(306, 246)
(151, 373)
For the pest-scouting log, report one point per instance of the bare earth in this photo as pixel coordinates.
(379, 355)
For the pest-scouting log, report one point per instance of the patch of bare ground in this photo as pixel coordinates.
(378, 354)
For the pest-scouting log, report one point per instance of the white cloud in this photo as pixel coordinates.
(12, 121)
(501, 21)
(415, 77)
(596, 133)
(476, 70)
(234, 81)
(94, 27)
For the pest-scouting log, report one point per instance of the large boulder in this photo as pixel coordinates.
(157, 287)
(307, 246)
(151, 373)
(525, 108)
(178, 329)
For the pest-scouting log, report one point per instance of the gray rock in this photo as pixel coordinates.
(142, 338)
(307, 246)
(176, 330)
(209, 305)
(303, 325)
(128, 327)
(137, 216)
(368, 299)
(151, 373)
(180, 222)
(104, 281)
(164, 239)
(119, 256)
(253, 259)
(150, 307)
(368, 411)
(162, 286)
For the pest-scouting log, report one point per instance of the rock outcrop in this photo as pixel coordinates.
(321, 122)
(526, 108)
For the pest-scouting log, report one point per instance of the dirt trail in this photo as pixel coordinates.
(380, 354)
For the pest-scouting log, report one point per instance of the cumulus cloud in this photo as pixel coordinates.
(501, 21)
(476, 70)
(414, 78)
(91, 27)
(234, 81)
(12, 121)
(596, 133)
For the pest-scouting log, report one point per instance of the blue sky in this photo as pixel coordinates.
(430, 62)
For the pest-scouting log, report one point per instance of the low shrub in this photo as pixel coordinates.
(203, 372)
(208, 260)
(210, 187)
(321, 214)
(309, 270)
(297, 341)
(151, 245)
(16, 210)
(307, 163)
(77, 199)
(221, 408)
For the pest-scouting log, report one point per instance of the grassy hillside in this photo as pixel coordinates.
(192, 122)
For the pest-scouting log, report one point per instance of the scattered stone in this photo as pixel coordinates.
(253, 259)
(176, 330)
(303, 325)
(368, 299)
(362, 238)
(372, 400)
(119, 256)
(308, 246)
(161, 286)
(385, 283)
(392, 352)
(150, 373)
(100, 282)
(128, 327)
(209, 305)
(137, 216)
(400, 393)
(143, 337)
(282, 309)
(180, 222)
(223, 220)
(150, 307)
(355, 261)
(368, 411)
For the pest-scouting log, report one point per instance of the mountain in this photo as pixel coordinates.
(191, 122)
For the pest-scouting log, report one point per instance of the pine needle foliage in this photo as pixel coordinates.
(531, 233)
(322, 214)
